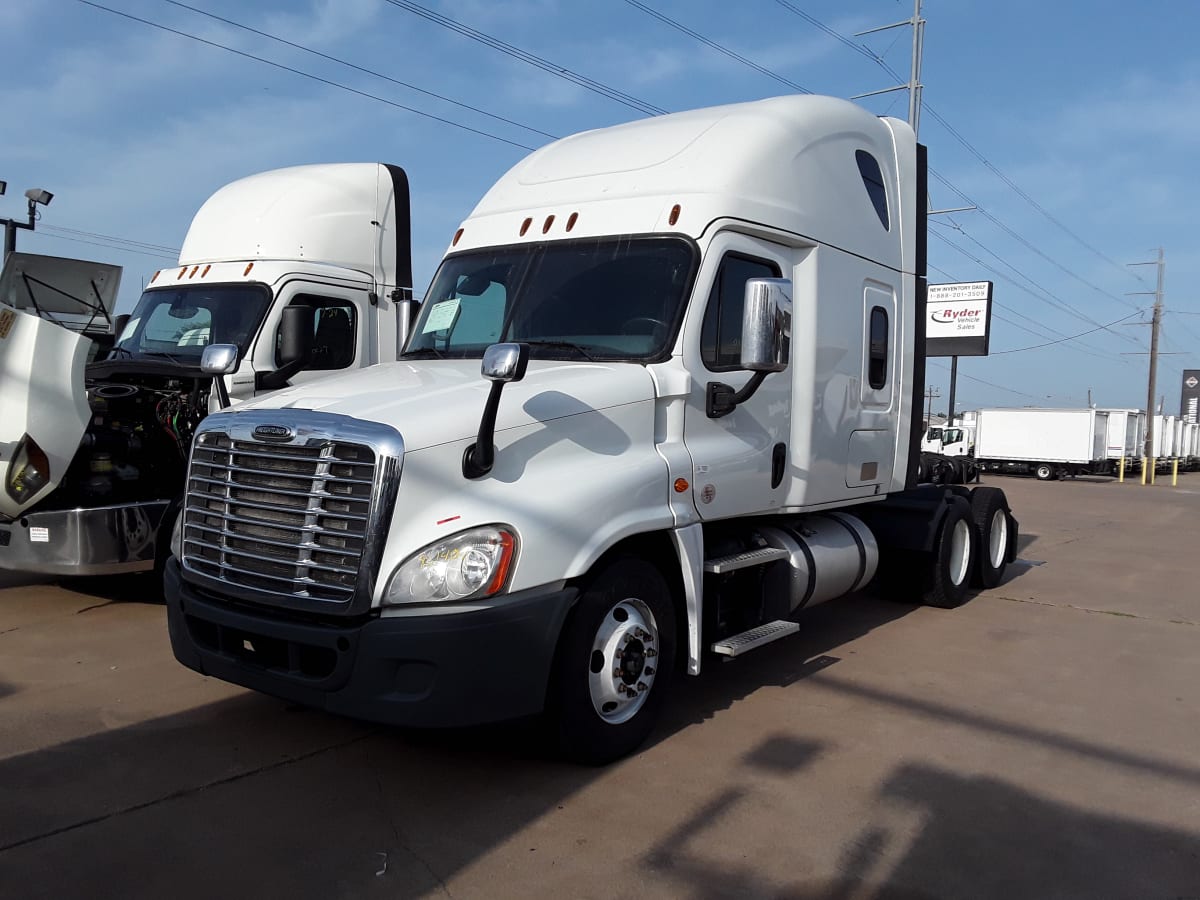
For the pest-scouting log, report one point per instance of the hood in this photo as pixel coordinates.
(43, 404)
(432, 402)
(76, 293)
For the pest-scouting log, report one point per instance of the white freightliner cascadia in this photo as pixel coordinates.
(702, 344)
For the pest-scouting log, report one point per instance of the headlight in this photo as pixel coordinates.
(466, 566)
(29, 471)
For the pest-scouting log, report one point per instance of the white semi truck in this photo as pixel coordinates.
(1047, 443)
(304, 271)
(702, 355)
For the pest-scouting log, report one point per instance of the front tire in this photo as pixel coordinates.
(614, 663)
(1044, 472)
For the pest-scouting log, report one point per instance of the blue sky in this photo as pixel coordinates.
(1090, 109)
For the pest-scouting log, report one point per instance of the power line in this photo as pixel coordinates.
(720, 48)
(358, 68)
(1072, 337)
(309, 75)
(954, 132)
(998, 387)
(151, 253)
(1023, 241)
(525, 56)
(1058, 304)
(159, 248)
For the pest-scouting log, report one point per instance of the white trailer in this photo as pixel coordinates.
(1123, 434)
(303, 272)
(699, 414)
(1047, 443)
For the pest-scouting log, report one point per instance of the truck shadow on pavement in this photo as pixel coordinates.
(248, 795)
(935, 833)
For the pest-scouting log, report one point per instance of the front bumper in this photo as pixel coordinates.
(107, 540)
(426, 667)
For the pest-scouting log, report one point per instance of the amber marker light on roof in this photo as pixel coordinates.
(681, 485)
(525, 226)
(674, 217)
(571, 221)
(182, 272)
(156, 274)
(546, 225)
(195, 269)
(206, 268)
(457, 235)
(246, 271)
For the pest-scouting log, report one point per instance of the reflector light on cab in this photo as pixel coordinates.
(674, 217)
(525, 226)
(246, 271)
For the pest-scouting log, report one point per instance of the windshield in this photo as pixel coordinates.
(181, 322)
(598, 299)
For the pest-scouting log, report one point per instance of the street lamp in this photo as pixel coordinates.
(34, 196)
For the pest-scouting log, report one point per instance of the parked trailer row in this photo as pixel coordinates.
(1047, 443)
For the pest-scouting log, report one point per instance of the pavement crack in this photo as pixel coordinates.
(1100, 612)
(11, 630)
(185, 792)
(94, 606)
(401, 842)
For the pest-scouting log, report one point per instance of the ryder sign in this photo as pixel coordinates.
(958, 319)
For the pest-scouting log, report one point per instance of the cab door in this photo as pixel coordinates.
(740, 459)
(341, 320)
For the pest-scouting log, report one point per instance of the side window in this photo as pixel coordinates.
(877, 348)
(872, 178)
(335, 332)
(721, 333)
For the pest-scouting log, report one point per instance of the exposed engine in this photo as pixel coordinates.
(136, 445)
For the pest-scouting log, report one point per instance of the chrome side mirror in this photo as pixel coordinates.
(219, 359)
(502, 363)
(505, 362)
(766, 324)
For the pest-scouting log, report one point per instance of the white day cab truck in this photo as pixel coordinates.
(1046, 443)
(298, 272)
(702, 354)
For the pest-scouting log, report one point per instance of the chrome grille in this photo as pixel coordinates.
(286, 520)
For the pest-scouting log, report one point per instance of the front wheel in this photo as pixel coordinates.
(1044, 472)
(614, 663)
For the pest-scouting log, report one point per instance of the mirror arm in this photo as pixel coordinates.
(272, 381)
(222, 393)
(721, 399)
(479, 458)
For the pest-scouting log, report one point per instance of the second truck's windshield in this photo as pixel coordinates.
(181, 322)
(596, 298)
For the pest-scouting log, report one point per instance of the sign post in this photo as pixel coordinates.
(960, 324)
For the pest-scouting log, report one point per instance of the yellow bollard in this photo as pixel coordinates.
(1143, 470)
(1121, 476)
(1175, 472)
(1153, 468)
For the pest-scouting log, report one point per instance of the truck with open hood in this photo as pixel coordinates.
(302, 272)
(701, 345)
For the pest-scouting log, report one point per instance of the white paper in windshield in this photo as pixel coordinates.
(442, 316)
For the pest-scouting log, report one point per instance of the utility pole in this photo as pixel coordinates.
(914, 86)
(1155, 325)
(931, 394)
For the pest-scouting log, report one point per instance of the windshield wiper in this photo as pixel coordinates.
(565, 344)
(420, 352)
(171, 356)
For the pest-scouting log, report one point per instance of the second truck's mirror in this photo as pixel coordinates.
(219, 359)
(766, 324)
(295, 334)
